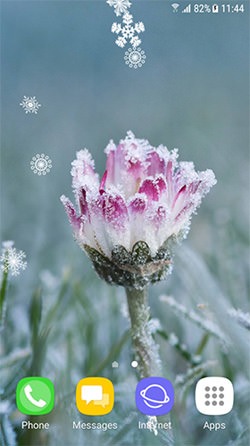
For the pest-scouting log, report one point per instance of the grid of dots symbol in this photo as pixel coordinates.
(214, 395)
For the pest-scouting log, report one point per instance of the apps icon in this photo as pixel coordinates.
(214, 395)
(35, 395)
(154, 396)
(95, 396)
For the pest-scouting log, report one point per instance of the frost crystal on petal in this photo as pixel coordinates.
(129, 222)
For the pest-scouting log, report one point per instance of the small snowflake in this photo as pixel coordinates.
(12, 261)
(135, 57)
(30, 105)
(120, 6)
(41, 164)
(128, 31)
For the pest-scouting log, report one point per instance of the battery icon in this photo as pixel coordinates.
(215, 9)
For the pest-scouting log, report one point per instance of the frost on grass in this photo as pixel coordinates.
(184, 381)
(208, 325)
(242, 318)
(17, 355)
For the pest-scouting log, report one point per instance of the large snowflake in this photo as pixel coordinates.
(120, 6)
(128, 31)
(12, 260)
(30, 104)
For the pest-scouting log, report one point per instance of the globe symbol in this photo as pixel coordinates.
(153, 397)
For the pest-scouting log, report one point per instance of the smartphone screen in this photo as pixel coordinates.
(129, 323)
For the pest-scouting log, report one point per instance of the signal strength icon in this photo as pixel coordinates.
(187, 9)
(175, 7)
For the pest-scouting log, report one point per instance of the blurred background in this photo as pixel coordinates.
(192, 93)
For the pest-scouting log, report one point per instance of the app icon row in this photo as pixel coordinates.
(154, 396)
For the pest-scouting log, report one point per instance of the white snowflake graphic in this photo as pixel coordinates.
(120, 6)
(128, 31)
(41, 164)
(30, 104)
(12, 260)
(134, 57)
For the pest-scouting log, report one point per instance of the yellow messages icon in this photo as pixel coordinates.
(95, 396)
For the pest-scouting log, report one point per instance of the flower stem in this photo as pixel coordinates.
(146, 350)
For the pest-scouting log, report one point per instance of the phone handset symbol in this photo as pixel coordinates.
(28, 391)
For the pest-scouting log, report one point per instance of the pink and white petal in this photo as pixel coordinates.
(179, 198)
(184, 213)
(114, 210)
(137, 204)
(82, 200)
(189, 197)
(116, 236)
(109, 219)
(83, 172)
(97, 228)
(84, 235)
(156, 164)
(74, 220)
(103, 182)
(150, 236)
(161, 184)
(116, 220)
(207, 180)
(115, 164)
(185, 174)
(160, 216)
(157, 227)
(137, 207)
(137, 230)
(170, 180)
(149, 187)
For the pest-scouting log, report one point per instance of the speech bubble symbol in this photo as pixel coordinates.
(90, 393)
(104, 401)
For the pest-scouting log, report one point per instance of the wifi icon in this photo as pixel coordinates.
(175, 7)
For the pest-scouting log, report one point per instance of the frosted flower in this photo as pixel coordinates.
(128, 221)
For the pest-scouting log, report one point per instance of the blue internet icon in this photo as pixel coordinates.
(154, 396)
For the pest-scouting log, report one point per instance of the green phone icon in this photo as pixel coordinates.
(35, 395)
